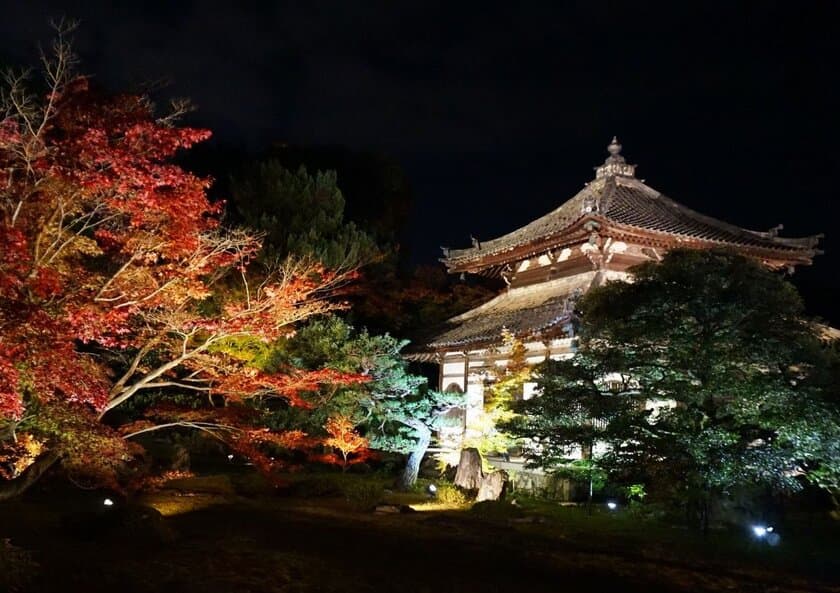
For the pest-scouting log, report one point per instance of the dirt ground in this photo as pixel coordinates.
(280, 545)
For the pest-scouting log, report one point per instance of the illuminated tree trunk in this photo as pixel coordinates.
(412, 465)
(16, 487)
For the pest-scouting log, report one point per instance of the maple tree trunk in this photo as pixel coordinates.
(412, 466)
(16, 487)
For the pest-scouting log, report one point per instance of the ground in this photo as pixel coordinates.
(213, 538)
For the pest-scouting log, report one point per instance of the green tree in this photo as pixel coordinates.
(301, 214)
(377, 190)
(396, 410)
(702, 378)
(505, 387)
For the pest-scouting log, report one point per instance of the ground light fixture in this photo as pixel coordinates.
(612, 505)
(108, 502)
(761, 530)
(767, 534)
(431, 489)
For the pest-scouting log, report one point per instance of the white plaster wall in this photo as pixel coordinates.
(453, 368)
(532, 360)
(480, 363)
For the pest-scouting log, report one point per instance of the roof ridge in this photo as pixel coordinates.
(621, 199)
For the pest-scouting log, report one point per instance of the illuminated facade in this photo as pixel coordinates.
(615, 222)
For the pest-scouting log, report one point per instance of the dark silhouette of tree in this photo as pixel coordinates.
(300, 214)
(702, 378)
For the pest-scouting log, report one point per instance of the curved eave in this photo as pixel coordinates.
(548, 331)
(665, 240)
(571, 234)
(790, 251)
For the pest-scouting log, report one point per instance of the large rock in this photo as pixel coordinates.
(469, 474)
(493, 486)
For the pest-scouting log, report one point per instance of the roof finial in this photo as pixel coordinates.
(615, 164)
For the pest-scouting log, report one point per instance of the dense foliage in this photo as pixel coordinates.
(118, 285)
(303, 213)
(377, 191)
(300, 214)
(702, 378)
(395, 409)
(416, 303)
(504, 386)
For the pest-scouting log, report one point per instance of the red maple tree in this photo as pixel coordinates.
(344, 438)
(117, 279)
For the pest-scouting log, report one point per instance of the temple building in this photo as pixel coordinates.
(614, 223)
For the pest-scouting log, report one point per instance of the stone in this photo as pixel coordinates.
(469, 474)
(492, 486)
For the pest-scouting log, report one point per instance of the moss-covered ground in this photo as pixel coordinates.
(233, 533)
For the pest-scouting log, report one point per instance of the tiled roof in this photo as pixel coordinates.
(619, 198)
(530, 311)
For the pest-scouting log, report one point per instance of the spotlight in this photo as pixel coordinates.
(612, 506)
(761, 530)
(432, 490)
(108, 502)
(230, 457)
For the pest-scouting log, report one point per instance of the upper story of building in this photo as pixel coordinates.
(617, 221)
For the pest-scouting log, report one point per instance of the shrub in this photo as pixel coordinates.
(635, 492)
(450, 494)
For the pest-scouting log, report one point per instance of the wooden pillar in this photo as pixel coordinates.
(466, 370)
(466, 387)
(440, 358)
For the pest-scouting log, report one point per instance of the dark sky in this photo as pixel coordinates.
(499, 111)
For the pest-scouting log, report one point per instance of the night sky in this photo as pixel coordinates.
(498, 111)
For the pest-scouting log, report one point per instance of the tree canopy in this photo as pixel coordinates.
(301, 214)
(702, 378)
(377, 190)
(395, 409)
(118, 284)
